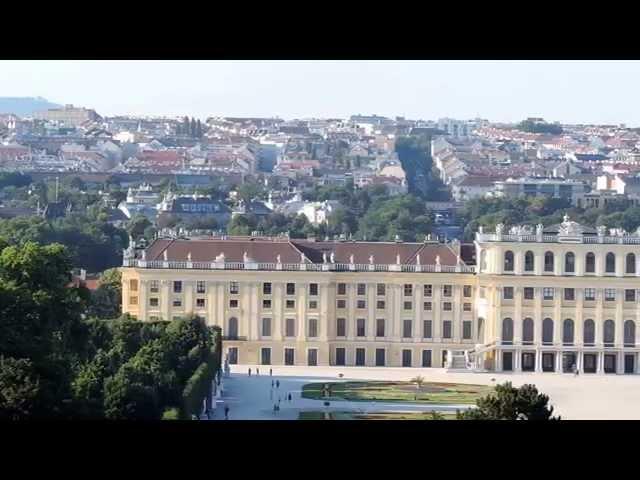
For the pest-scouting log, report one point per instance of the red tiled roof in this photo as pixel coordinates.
(266, 251)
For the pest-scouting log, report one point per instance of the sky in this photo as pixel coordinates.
(501, 91)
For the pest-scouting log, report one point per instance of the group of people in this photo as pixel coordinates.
(258, 372)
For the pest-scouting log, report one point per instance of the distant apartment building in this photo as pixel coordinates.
(69, 115)
(542, 187)
(455, 128)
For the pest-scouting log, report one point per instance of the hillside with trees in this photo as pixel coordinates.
(531, 126)
(54, 363)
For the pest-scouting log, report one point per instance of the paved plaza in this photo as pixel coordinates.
(589, 397)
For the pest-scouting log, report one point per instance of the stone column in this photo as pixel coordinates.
(166, 299)
(142, 300)
(538, 362)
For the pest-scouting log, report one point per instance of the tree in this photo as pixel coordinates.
(193, 127)
(106, 300)
(186, 126)
(199, 132)
(125, 399)
(510, 403)
(19, 388)
(419, 381)
(533, 126)
(137, 226)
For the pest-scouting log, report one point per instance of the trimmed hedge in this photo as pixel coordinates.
(171, 414)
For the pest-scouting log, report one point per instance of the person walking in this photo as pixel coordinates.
(277, 383)
(289, 396)
(275, 408)
(257, 371)
(249, 371)
(226, 412)
(270, 372)
(271, 383)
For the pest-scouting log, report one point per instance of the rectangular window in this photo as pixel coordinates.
(361, 304)
(380, 305)
(408, 305)
(466, 307)
(507, 293)
(177, 302)
(362, 289)
(177, 286)
(446, 306)
(313, 327)
(428, 290)
(408, 290)
(313, 305)
(200, 302)
(201, 286)
(341, 327)
(427, 329)
(446, 329)
(266, 288)
(426, 358)
(360, 357)
(154, 286)
(528, 293)
(427, 306)
(466, 330)
(133, 285)
(590, 294)
(629, 295)
(290, 327)
(153, 302)
(360, 327)
(381, 289)
(379, 357)
(133, 300)
(466, 291)
(265, 356)
(234, 288)
(569, 294)
(313, 289)
(406, 329)
(290, 304)
(341, 303)
(447, 290)
(340, 356)
(547, 293)
(289, 356)
(291, 288)
(609, 294)
(266, 304)
(233, 303)
(342, 289)
(380, 327)
(266, 327)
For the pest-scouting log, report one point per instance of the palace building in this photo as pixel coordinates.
(537, 299)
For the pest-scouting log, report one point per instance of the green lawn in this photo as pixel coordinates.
(317, 415)
(429, 393)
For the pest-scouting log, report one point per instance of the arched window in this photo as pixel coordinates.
(589, 333)
(610, 264)
(507, 331)
(567, 332)
(548, 262)
(233, 328)
(631, 263)
(527, 331)
(508, 261)
(629, 333)
(529, 261)
(590, 263)
(569, 262)
(609, 333)
(547, 331)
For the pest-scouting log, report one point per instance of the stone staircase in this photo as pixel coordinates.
(458, 361)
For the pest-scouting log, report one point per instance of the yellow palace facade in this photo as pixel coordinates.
(530, 299)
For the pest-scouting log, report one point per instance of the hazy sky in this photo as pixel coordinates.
(566, 91)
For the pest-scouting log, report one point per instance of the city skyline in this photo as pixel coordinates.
(501, 91)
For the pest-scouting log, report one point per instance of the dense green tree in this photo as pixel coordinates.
(193, 128)
(532, 126)
(137, 225)
(510, 403)
(106, 300)
(19, 388)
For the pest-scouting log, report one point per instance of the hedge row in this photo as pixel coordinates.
(198, 387)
